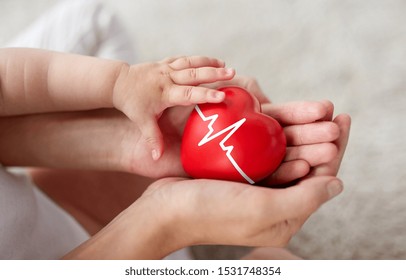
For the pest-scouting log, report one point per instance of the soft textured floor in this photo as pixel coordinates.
(349, 51)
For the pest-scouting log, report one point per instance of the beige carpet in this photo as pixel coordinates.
(349, 51)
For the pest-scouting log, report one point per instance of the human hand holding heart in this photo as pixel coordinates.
(307, 125)
(232, 140)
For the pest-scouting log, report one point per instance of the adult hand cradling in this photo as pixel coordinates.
(173, 212)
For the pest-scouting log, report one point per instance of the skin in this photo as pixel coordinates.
(119, 143)
(39, 81)
(75, 188)
(55, 101)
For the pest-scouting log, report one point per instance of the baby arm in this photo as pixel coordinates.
(38, 81)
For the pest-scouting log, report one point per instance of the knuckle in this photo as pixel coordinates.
(193, 73)
(169, 59)
(299, 133)
(188, 93)
(165, 73)
(188, 61)
(165, 70)
(151, 140)
(170, 96)
(333, 131)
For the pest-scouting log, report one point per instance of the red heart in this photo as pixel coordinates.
(232, 140)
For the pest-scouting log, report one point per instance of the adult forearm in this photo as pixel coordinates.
(86, 140)
(34, 81)
(139, 232)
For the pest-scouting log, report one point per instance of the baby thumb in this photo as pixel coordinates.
(152, 136)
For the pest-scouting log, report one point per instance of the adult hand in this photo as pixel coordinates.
(218, 212)
(330, 168)
(228, 213)
(221, 212)
(175, 212)
(107, 140)
(186, 212)
(311, 138)
(98, 140)
(311, 134)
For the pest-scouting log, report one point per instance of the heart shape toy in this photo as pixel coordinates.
(232, 140)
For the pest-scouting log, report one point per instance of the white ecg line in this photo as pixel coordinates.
(228, 149)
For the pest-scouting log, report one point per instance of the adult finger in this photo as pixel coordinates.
(315, 154)
(286, 173)
(343, 121)
(318, 132)
(329, 110)
(300, 112)
(304, 198)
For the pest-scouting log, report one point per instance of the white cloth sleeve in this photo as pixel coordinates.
(85, 27)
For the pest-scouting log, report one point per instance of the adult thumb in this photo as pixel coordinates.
(306, 197)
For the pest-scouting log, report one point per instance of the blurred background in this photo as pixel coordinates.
(351, 52)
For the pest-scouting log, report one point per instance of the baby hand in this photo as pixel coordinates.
(143, 91)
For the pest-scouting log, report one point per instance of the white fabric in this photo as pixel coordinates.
(80, 26)
(31, 225)
(182, 254)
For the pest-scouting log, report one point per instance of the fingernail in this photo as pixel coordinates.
(218, 95)
(155, 154)
(334, 188)
(229, 71)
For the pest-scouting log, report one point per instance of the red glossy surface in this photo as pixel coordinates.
(232, 140)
